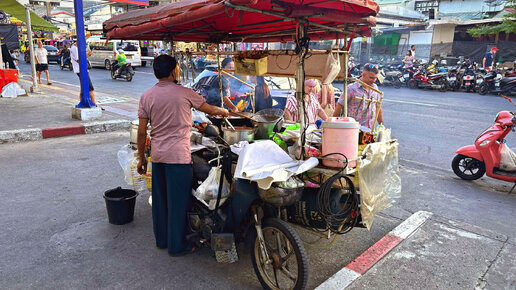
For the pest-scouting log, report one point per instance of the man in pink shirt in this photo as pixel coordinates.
(167, 106)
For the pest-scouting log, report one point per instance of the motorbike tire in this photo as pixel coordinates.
(129, 77)
(412, 84)
(113, 75)
(61, 66)
(285, 231)
(70, 67)
(397, 84)
(476, 164)
(483, 89)
(444, 85)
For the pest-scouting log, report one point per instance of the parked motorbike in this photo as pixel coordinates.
(125, 72)
(434, 81)
(494, 82)
(277, 253)
(453, 78)
(473, 161)
(391, 77)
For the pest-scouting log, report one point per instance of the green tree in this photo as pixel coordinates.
(508, 24)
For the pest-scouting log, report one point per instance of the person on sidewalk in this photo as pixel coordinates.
(362, 111)
(167, 106)
(488, 60)
(41, 54)
(74, 55)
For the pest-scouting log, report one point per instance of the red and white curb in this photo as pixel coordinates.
(375, 253)
(35, 134)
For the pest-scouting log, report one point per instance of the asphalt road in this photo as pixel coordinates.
(60, 217)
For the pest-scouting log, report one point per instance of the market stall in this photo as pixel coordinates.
(299, 174)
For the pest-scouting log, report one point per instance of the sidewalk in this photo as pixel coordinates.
(430, 252)
(48, 113)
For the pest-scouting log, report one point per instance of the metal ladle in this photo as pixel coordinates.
(230, 125)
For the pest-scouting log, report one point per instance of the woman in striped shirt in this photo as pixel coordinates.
(312, 106)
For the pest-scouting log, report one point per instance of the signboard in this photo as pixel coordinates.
(425, 6)
(135, 2)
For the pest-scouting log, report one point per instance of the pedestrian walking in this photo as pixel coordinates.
(167, 106)
(41, 54)
(488, 60)
(74, 55)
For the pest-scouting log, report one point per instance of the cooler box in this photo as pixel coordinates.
(8, 76)
(340, 135)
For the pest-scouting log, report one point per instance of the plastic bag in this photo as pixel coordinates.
(125, 159)
(508, 161)
(379, 179)
(200, 117)
(209, 189)
(12, 90)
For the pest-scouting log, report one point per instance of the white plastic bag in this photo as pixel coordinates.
(12, 90)
(379, 179)
(209, 189)
(199, 117)
(508, 161)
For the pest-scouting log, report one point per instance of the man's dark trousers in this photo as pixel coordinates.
(171, 197)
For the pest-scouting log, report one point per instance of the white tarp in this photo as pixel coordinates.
(265, 162)
(379, 179)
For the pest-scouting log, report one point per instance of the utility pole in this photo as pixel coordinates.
(48, 17)
(31, 50)
(83, 63)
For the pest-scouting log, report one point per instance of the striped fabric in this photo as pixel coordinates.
(311, 107)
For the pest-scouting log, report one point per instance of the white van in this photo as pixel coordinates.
(105, 53)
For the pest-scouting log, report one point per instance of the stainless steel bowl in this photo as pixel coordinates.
(279, 196)
(240, 134)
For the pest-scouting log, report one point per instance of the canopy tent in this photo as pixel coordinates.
(244, 20)
(13, 8)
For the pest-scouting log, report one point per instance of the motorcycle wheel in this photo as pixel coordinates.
(483, 89)
(129, 77)
(288, 264)
(113, 75)
(444, 85)
(61, 66)
(70, 67)
(468, 168)
(412, 84)
(397, 84)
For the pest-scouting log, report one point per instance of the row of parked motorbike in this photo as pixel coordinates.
(467, 76)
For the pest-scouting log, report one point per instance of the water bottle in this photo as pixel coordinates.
(139, 183)
(148, 175)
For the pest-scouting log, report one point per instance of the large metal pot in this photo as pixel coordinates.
(134, 132)
(267, 121)
(239, 134)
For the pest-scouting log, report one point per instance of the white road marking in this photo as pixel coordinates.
(411, 103)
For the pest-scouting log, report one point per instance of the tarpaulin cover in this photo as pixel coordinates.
(12, 7)
(9, 36)
(220, 20)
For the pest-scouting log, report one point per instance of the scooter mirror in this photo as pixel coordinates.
(211, 131)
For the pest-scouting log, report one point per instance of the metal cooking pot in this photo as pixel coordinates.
(267, 121)
(240, 134)
(134, 132)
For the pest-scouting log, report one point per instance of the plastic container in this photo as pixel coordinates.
(8, 76)
(340, 135)
(120, 205)
(139, 181)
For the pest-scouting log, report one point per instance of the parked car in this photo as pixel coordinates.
(52, 56)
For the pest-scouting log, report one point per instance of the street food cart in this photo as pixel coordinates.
(262, 191)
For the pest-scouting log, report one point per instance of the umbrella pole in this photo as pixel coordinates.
(31, 49)
(300, 90)
(345, 89)
(220, 77)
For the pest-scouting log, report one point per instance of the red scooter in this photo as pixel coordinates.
(473, 161)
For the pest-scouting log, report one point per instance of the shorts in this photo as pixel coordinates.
(89, 80)
(41, 67)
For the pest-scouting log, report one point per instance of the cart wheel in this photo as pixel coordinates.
(468, 168)
(287, 267)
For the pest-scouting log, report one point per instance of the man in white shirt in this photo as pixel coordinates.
(74, 55)
(413, 51)
(40, 54)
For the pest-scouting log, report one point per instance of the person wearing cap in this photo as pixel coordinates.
(121, 61)
(313, 108)
(488, 60)
(361, 110)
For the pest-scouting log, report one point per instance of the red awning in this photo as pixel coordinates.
(244, 20)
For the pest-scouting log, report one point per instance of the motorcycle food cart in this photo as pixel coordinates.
(321, 199)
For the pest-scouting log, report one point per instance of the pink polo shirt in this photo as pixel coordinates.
(167, 106)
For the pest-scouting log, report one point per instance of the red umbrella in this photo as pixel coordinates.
(244, 20)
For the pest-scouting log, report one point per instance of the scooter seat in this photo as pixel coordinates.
(505, 81)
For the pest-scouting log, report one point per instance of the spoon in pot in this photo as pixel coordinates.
(230, 125)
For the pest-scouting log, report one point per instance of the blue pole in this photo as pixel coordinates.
(83, 63)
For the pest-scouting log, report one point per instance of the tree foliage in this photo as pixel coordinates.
(508, 25)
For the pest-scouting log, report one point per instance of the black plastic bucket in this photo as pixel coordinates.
(120, 205)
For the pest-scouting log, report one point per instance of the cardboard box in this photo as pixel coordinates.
(253, 67)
